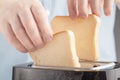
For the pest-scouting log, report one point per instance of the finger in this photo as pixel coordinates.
(83, 8)
(101, 3)
(31, 28)
(10, 36)
(89, 9)
(72, 8)
(95, 7)
(41, 18)
(108, 7)
(20, 33)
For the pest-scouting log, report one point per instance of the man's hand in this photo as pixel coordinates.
(25, 24)
(82, 7)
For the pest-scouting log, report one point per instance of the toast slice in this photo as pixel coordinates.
(85, 31)
(60, 52)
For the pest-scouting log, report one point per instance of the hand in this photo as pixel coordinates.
(82, 7)
(25, 24)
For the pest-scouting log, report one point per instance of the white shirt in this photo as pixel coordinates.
(10, 57)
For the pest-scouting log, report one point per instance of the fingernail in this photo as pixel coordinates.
(40, 46)
(24, 51)
(49, 38)
(99, 15)
(83, 16)
(108, 13)
(73, 16)
(31, 50)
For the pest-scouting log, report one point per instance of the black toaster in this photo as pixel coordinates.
(93, 71)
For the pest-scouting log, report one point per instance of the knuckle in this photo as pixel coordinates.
(21, 8)
(29, 24)
(20, 5)
(19, 31)
(32, 32)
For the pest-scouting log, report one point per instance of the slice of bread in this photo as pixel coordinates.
(85, 31)
(60, 52)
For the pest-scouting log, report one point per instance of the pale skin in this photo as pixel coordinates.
(25, 25)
